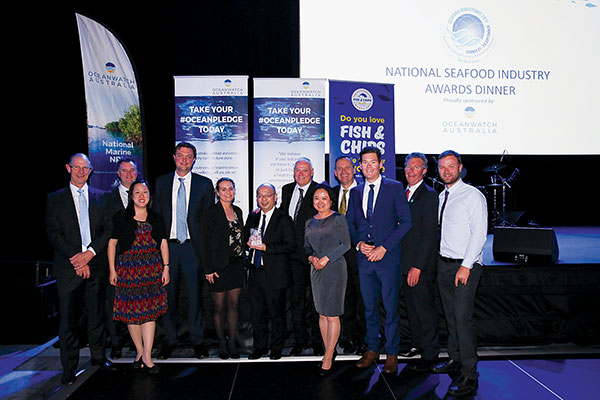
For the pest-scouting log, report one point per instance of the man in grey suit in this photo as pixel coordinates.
(78, 228)
(180, 198)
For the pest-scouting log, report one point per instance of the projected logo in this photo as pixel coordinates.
(469, 112)
(468, 34)
(110, 67)
(227, 82)
(305, 84)
(362, 99)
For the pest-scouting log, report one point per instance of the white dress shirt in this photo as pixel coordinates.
(124, 193)
(75, 194)
(296, 197)
(413, 189)
(187, 182)
(464, 225)
(341, 194)
(268, 215)
(366, 190)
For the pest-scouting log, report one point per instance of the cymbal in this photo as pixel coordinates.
(494, 168)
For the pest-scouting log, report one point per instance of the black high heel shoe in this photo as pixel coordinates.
(151, 370)
(327, 372)
(233, 350)
(137, 364)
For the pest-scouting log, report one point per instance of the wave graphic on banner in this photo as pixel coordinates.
(113, 108)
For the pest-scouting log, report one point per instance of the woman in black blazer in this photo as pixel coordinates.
(222, 255)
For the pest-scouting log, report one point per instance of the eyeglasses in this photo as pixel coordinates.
(79, 168)
(264, 196)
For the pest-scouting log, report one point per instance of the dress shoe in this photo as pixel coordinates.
(68, 378)
(256, 354)
(463, 387)
(349, 347)
(200, 351)
(297, 350)
(367, 359)
(391, 364)
(275, 354)
(422, 365)
(116, 353)
(446, 367)
(413, 351)
(361, 349)
(104, 365)
(166, 351)
(318, 350)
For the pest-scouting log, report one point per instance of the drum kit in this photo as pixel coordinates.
(496, 191)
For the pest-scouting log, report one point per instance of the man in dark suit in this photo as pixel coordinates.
(269, 271)
(180, 198)
(419, 265)
(116, 200)
(378, 218)
(353, 320)
(296, 200)
(79, 228)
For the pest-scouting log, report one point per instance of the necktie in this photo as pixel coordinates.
(343, 206)
(84, 220)
(370, 200)
(443, 206)
(407, 193)
(299, 203)
(181, 213)
(258, 253)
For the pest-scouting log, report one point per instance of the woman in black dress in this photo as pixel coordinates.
(223, 262)
(326, 240)
(138, 260)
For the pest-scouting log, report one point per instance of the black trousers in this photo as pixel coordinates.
(353, 319)
(184, 270)
(423, 315)
(267, 304)
(77, 296)
(458, 303)
(303, 313)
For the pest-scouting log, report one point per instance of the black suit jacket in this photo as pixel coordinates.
(62, 227)
(202, 196)
(421, 243)
(280, 242)
(216, 252)
(113, 201)
(306, 212)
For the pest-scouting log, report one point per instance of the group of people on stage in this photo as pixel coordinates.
(333, 253)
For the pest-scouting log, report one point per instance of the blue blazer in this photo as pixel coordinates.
(389, 223)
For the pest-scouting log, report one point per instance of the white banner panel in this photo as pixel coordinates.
(289, 123)
(113, 106)
(211, 112)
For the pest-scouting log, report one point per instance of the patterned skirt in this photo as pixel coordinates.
(140, 296)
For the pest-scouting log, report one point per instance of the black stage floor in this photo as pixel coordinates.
(499, 379)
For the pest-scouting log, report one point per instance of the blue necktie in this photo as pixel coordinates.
(181, 214)
(258, 253)
(370, 200)
(84, 220)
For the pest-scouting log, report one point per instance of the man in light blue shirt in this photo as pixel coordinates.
(463, 232)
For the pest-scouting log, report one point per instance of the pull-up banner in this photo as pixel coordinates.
(360, 115)
(289, 123)
(211, 112)
(113, 106)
